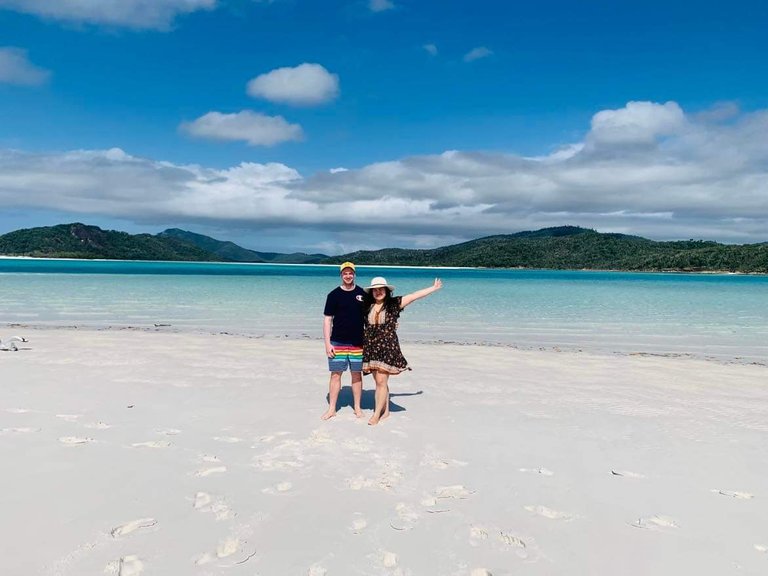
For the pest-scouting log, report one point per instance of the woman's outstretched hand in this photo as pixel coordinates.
(408, 298)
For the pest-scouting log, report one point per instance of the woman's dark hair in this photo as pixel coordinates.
(368, 300)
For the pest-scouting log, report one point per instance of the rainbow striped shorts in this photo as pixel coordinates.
(347, 355)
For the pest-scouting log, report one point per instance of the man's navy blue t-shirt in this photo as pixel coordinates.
(346, 307)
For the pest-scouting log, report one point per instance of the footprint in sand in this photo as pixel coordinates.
(734, 494)
(19, 430)
(545, 512)
(75, 440)
(320, 437)
(477, 534)
(406, 517)
(391, 475)
(97, 425)
(204, 502)
(269, 464)
(358, 524)
(282, 487)
(209, 459)
(442, 463)
(225, 548)
(542, 471)
(203, 472)
(508, 541)
(69, 417)
(511, 540)
(761, 548)
(654, 523)
(132, 526)
(316, 570)
(431, 501)
(627, 474)
(152, 444)
(228, 439)
(386, 481)
(360, 482)
(456, 491)
(389, 559)
(125, 566)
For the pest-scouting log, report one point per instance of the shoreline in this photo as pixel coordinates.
(396, 266)
(560, 348)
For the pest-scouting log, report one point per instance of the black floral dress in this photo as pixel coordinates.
(381, 348)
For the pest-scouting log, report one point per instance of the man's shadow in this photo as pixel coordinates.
(368, 400)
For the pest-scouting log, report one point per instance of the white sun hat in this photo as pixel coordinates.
(379, 282)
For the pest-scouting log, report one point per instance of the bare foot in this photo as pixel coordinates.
(358, 413)
(385, 415)
(328, 415)
(373, 421)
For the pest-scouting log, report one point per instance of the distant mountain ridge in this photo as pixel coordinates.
(82, 241)
(559, 248)
(575, 248)
(231, 252)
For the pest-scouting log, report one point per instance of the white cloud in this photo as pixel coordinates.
(688, 178)
(380, 5)
(431, 48)
(158, 14)
(251, 127)
(637, 123)
(477, 54)
(304, 85)
(15, 68)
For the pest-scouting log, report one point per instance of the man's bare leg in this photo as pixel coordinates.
(334, 386)
(357, 392)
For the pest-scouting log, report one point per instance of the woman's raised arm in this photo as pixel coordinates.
(408, 298)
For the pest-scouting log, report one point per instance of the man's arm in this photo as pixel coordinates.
(327, 325)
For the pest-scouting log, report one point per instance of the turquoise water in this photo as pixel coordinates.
(724, 316)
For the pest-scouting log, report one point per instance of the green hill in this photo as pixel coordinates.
(82, 241)
(570, 247)
(224, 250)
(231, 252)
(565, 247)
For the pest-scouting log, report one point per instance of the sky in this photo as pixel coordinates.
(339, 125)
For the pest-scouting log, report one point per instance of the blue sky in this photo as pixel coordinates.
(346, 124)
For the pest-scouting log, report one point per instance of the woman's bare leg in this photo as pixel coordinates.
(381, 396)
(385, 414)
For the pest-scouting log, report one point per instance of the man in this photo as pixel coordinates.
(343, 334)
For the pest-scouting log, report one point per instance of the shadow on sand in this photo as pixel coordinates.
(367, 402)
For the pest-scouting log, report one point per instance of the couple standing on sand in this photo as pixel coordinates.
(360, 332)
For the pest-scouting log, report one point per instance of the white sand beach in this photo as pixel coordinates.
(151, 453)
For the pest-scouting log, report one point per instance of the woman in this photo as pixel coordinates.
(381, 348)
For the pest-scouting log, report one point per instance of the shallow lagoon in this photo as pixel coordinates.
(723, 316)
